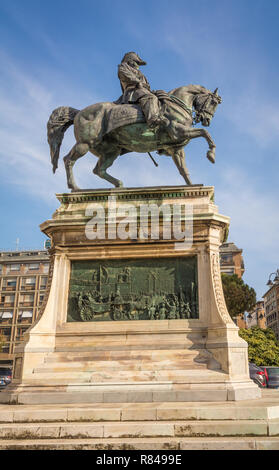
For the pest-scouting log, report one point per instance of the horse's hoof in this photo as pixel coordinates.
(211, 156)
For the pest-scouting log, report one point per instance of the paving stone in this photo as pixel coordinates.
(138, 430)
(78, 431)
(217, 444)
(101, 414)
(172, 413)
(27, 431)
(273, 427)
(40, 415)
(221, 428)
(6, 416)
(137, 414)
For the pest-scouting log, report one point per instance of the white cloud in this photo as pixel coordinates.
(26, 105)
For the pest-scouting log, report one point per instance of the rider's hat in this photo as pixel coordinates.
(133, 56)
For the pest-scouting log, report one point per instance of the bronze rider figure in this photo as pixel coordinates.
(136, 89)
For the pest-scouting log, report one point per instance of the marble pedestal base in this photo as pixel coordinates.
(194, 359)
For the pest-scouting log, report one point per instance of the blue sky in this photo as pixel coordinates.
(66, 53)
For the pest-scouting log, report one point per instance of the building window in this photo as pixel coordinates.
(8, 299)
(43, 282)
(46, 268)
(34, 266)
(15, 267)
(230, 272)
(6, 333)
(20, 332)
(6, 348)
(25, 316)
(6, 317)
(28, 283)
(226, 258)
(26, 298)
(9, 283)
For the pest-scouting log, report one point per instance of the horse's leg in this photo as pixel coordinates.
(77, 151)
(105, 161)
(195, 133)
(179, 159)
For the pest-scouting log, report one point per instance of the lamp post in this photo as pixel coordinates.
(275, 280)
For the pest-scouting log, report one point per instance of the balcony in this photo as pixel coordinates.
(5, 348)
(26, 304)
(28, 287)
(8, 288)
(7, 304)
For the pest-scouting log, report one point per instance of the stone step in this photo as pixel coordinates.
(79, 346)
(184, 411)
(198, 375)
(139, 429)
(114, 393)
(119, 355)
(138, 365)
(150, 443)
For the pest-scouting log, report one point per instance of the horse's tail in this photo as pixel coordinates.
(60, 119)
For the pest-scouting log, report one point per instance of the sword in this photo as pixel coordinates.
(155, 163)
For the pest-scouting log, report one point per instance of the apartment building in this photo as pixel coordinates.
(231, 259)
(271, 303)
(23, 281)
(257, 316)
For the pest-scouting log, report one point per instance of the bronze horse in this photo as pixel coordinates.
(108, 130)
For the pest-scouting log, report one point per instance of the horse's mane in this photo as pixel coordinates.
(192, 89)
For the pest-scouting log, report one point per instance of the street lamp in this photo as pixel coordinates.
(275, 280)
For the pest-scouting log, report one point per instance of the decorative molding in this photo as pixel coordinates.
(218, 288)
(170, 192)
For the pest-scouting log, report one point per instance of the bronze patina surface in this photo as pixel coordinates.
(149, 289)
(141, 120)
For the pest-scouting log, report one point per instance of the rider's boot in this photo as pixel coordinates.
(157, 122)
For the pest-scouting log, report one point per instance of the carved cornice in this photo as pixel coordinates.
(128, 194)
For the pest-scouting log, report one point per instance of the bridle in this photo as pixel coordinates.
(206, 107)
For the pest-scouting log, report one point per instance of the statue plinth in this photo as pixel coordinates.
(135, 317)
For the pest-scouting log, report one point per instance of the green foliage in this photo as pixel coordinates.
(239, 296)
(263, 349)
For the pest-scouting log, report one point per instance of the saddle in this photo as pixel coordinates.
(124, 114)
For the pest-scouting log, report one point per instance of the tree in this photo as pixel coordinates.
(263, 348)
(239, 296)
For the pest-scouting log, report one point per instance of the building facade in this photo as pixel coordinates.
(257, 316)
(231, 260)
(23, 281)
(271, 303)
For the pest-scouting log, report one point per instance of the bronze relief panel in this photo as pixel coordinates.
(133, 289)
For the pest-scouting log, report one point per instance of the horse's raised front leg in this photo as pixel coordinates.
(77, 151)
(195, 133)
(179, 159)
(105, 161)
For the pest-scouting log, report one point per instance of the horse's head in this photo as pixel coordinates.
(205, 105)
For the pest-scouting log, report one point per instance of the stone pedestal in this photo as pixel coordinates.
(182, 346)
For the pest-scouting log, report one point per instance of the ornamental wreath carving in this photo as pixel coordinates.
(218, 288)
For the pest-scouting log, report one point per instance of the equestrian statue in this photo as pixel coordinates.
(141, 120)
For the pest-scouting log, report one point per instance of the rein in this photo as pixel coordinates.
(182, 104)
